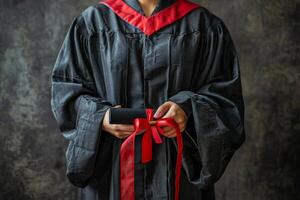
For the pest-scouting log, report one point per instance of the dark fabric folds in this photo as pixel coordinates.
(216, 108)
(77, 107)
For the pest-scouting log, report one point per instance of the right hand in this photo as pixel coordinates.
(119, 130)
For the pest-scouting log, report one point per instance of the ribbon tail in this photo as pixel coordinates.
(156, 135)
(178, 162)
(127, 168)
(147, 147)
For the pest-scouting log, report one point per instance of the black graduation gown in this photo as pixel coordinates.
(106, 61)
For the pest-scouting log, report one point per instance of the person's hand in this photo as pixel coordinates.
(172, 110)
(119, 130)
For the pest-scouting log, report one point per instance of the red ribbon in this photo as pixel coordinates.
(152, 130)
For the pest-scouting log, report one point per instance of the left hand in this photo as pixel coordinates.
(172, 110)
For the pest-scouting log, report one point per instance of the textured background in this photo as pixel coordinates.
(266, 34)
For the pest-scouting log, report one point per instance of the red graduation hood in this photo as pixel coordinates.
(153, 23)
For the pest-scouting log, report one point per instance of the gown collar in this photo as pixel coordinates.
(161, 4)
(165, 13)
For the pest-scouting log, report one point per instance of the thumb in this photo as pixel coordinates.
(162, 110)
(117, 106)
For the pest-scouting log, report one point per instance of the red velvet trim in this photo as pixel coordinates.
(151, 24)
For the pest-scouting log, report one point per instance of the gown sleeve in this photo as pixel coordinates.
(77, 107)
(215, 107)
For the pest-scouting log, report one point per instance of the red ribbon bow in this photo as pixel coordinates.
(152, 129)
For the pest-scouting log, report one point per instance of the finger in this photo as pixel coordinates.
(180, 119)
(123, 134)
(170, 114)
(118, 106)
(167, 128)
(181, 130)
(138, 133)
(181, 126)
(162, 109)
(168, 133)
(126, 133)
(172, 131)
(124, 127)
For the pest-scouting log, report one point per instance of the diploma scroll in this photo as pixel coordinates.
(127, 115)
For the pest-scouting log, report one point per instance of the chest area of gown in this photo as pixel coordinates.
(152, 55)
(144, 71)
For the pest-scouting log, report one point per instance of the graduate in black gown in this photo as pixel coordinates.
(114, 55)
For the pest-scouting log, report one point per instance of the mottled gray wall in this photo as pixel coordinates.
(266, 34)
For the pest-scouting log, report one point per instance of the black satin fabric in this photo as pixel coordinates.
(104, 61)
